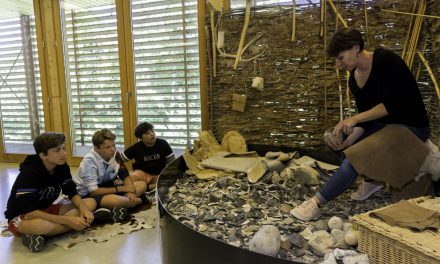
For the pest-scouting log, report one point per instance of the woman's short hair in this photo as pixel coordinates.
(48, 140)
(142, 128)
(101, 135)
(344, 39)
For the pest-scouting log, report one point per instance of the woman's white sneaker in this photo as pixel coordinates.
(308, 210)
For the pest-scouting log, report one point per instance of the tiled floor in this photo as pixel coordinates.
(139, 247)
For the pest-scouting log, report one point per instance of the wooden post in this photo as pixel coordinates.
(201, 12)
(31, 87)
(293, 20)
(126, 66)
(243, 33)
(332, 5)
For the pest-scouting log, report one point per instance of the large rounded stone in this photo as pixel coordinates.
(321, 243)
(335, 223)
(266, 241)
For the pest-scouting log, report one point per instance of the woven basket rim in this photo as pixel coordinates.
(426, 242)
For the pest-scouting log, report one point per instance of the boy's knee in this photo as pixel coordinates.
(141, 187)
(90, 203)
(111, 200)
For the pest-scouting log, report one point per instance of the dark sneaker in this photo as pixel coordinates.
(152, 198)
(151, 188)
(34, 243)
(102, 215)
(116, 214)
(119, 214)
(145, 199)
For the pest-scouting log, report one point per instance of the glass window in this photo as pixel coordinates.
(242, 3)
(92, 71)
(166, 58)
(20, 88)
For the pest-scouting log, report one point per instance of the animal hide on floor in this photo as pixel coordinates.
(142, 218)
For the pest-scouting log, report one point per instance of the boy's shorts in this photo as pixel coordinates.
(16, 221)
(98, 198)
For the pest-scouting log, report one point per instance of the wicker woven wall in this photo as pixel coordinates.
(293, 109)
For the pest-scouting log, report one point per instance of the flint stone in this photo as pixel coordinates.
(285, 208)
(209, 218)
(274, 165)
(272, 154)
(297, 240)
(241, 175)
(321, 225)
(306, 175)
(285, 244)
(288, 221)
(258, 198)
(215, 197)
(307, 233)
(266, 241)
(223, 182)
(238, 202)
(234, 242)
(285, 157)
(339, 238)
(244, 186)
(329, 258)
(282, 254)
(254, 213)
(321, 242)
(342, 253)
(276, 178)
(358, 259)
(272, 202)
(203, 227)
(286, 173)
(266, 177)
(300, 251)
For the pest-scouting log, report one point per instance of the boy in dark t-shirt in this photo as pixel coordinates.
(150, 154)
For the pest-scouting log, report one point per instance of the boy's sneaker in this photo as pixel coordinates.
(34, 243)
(116, 214)
(152, 198)
(308, 210)
(145, 199)
(365, 190)
(151, 190)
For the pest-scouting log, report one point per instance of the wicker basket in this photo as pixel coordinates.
(386, 244)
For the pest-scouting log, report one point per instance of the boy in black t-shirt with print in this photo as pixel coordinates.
(150, 154)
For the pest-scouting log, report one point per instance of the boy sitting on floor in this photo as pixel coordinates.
(31, 211)
(151, 155)
(103, 176)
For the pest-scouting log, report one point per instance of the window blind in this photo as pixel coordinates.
(165, 41)
(93, 74)
(20, 88)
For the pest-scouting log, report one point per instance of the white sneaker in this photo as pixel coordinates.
(365, 190)
(308, 210)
